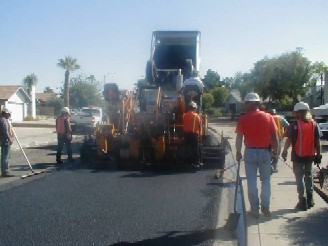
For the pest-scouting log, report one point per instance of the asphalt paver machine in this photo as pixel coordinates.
(146, 125)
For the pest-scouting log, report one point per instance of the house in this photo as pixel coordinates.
(234, 103)
(43, 98)
(15, 98)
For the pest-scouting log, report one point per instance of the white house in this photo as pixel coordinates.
(15, 98)
(234, 102)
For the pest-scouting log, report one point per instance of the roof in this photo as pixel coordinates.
(235, 94)
(6, 91)
(44, 97)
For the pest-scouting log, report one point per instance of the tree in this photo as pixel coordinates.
(70, 65)
(207, 100)
(212, 79)
(48, 90)
(85, 91)
(294, 74)
(220, 94)
(57, 103)
(278, 78)
(30, 81)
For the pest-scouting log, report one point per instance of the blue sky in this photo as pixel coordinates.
(114, 35)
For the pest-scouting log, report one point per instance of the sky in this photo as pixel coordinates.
(111, 38)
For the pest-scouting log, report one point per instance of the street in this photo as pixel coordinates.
(74, 204)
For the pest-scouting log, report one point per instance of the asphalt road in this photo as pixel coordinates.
(77, 205)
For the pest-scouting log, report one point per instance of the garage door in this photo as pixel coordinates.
(16, 111)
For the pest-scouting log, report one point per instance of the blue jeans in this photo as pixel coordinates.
(258, 159)
(304, 178)
(5, 154)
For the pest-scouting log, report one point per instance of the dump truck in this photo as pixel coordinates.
(154, 133)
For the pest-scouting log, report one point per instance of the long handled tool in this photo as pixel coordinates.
(233, 218)
(28, 162)
(220, 171)
(321, 176)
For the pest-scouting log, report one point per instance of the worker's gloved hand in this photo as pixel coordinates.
(317, 159)
(274, 158)
(239, 156)
(284, 155)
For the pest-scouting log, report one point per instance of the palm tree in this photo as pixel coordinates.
(30, 81)
(70, 65)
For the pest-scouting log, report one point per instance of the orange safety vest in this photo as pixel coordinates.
(281, 129)
(191, 122)
(305, 141)
(60, 126)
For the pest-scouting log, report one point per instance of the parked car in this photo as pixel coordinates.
(86, 119)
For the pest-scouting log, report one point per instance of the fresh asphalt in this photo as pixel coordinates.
(75, 204)
(82, 206)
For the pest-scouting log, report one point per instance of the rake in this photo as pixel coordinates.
(28, 162)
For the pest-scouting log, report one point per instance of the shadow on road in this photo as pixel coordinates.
(183, 238)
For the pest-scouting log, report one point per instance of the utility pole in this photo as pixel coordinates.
(321, 90)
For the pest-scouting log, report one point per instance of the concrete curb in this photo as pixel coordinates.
(27, 124)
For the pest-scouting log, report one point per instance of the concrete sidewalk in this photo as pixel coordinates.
(287, 226)
(44, 123)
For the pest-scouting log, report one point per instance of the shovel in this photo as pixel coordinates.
(233, 218)
(321, 176)
(220, 171)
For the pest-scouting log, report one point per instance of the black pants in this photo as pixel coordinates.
(63, 140)
(191, 144)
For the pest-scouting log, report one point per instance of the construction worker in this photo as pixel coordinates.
(64, 135)
(192, 131)
(259, 132)
(282, 125)
(6, 139)
(304, 136)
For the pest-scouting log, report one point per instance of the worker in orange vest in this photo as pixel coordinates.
(304, 136)
(192, 132)
(282, 125)
(64, 135)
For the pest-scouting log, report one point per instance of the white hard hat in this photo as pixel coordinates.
(65, 110)
(252, 97)
(301, 106)
(6, 110)
(192, 105)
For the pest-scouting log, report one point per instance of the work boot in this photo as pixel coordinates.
(58, 159)
(309, 199)
(7, 175)
(266, 211)
(253, 214)
(302, 204)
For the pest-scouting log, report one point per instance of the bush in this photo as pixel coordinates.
(28, 118)
(214, 112)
